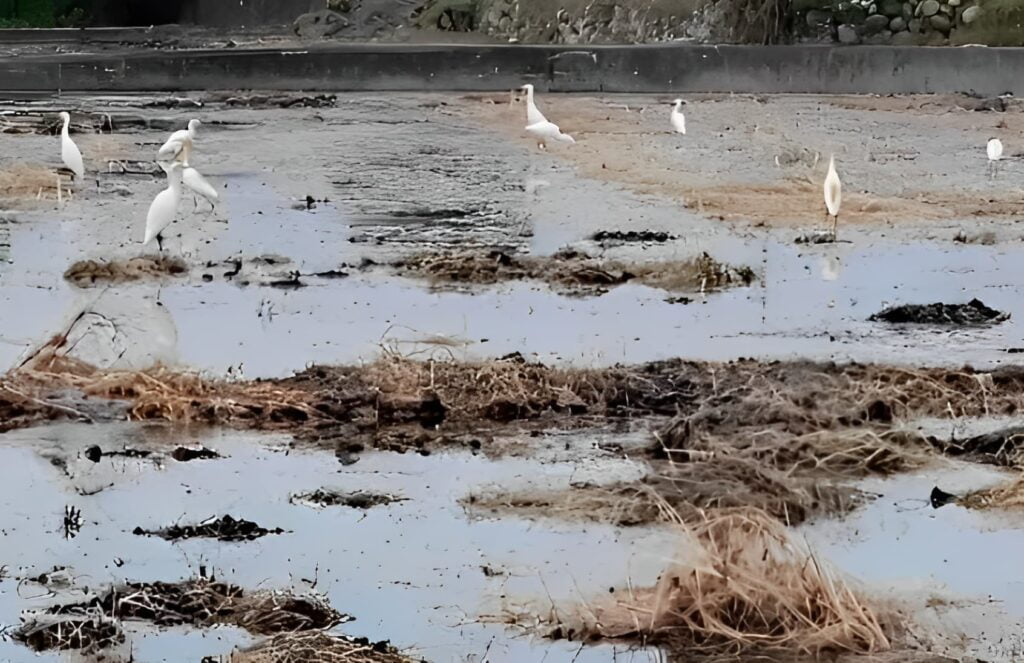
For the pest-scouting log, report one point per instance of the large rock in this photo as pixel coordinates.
(891, 8)
(971, 14)
(904, 38)
(928, 8)
(914, 25)
(848, 34)
(898, 24)
(317, 25)
(941, 23)
(875, 24)
(908, 11)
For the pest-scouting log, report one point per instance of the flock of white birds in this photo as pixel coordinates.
(173, 157)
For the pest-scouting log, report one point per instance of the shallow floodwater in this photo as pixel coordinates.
(411, 572)
(961, 566)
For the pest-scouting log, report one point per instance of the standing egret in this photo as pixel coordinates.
(995, 153)
(196, 183)
(677, 117)
(69, 152)
(833, 196)
(533, 115)
(179, 145)
(165, 206)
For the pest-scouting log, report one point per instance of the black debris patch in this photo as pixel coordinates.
(973, 312)
(280, 101)
(816, 237)
(88, 634)
(95, 453)
(679, 300)
(290, 282)
(1002, 447)
(940, 498)
(224, 528)
(632, 236)
(331, 274)
(324, 497)
(186, 454)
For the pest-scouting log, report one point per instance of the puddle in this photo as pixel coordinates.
(410, 571)
(965, 557)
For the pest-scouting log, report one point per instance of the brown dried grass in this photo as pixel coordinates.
(743, 584)
(317, 647)
(1006, 496)
(27, 181)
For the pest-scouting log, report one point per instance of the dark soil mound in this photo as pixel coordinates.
(973, 312)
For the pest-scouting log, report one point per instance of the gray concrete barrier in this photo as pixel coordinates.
(628, 68)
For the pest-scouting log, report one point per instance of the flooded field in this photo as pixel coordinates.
(433, 393)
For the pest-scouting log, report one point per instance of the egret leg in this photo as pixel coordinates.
(835, 228)
(160, 242)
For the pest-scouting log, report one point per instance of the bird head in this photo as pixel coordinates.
(64, 117)
(193, 125)
(527, 88)
(678, 102)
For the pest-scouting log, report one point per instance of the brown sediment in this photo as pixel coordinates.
(28, 182)
(742, 585)
(200, 602)
(318, 647)
(85, 273)
(571, 271)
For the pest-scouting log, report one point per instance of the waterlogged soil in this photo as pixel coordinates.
(570, 310)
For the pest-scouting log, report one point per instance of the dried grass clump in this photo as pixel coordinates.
(1006, 496)
(24, 181)
(499, 390)
(85, 273)
(743, 584)
(317, 647)
(683, 491)
(162, 393)
(573, 272)
(205, 602)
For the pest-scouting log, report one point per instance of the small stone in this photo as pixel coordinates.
(872, 9)
(971, 14)
(929, 8)
(914, 25)
(898, 24)
(320, 24)
(947, 10)
(875, 24)
(847, 34)
(908, 11)
(941, 23)
(955, 3)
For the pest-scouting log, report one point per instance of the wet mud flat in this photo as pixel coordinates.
(432, 394)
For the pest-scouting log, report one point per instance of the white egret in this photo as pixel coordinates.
(833, 195)
(179, 145)
(546, 131)
(196, 183)
(69, 152)
(165, 206)
(533, 115)
(677, 117)
(995, 153)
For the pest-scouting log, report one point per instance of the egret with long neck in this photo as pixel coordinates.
(833, 190)
(69, 152)
(179, 146)
(164, 207)
(533, 114)
(677, 118)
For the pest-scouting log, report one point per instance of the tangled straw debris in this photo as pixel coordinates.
(317, 647)
(743, 584)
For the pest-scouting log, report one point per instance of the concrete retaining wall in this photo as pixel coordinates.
(651, 68)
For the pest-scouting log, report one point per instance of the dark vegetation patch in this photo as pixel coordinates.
(973, 312)
(627, 236)
(324, 497)
(224, 528)
(87, 273)
(187, 454)
(95, 624)
(571, 271)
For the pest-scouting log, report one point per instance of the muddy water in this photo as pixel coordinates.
(956, 569)
(411, 572)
